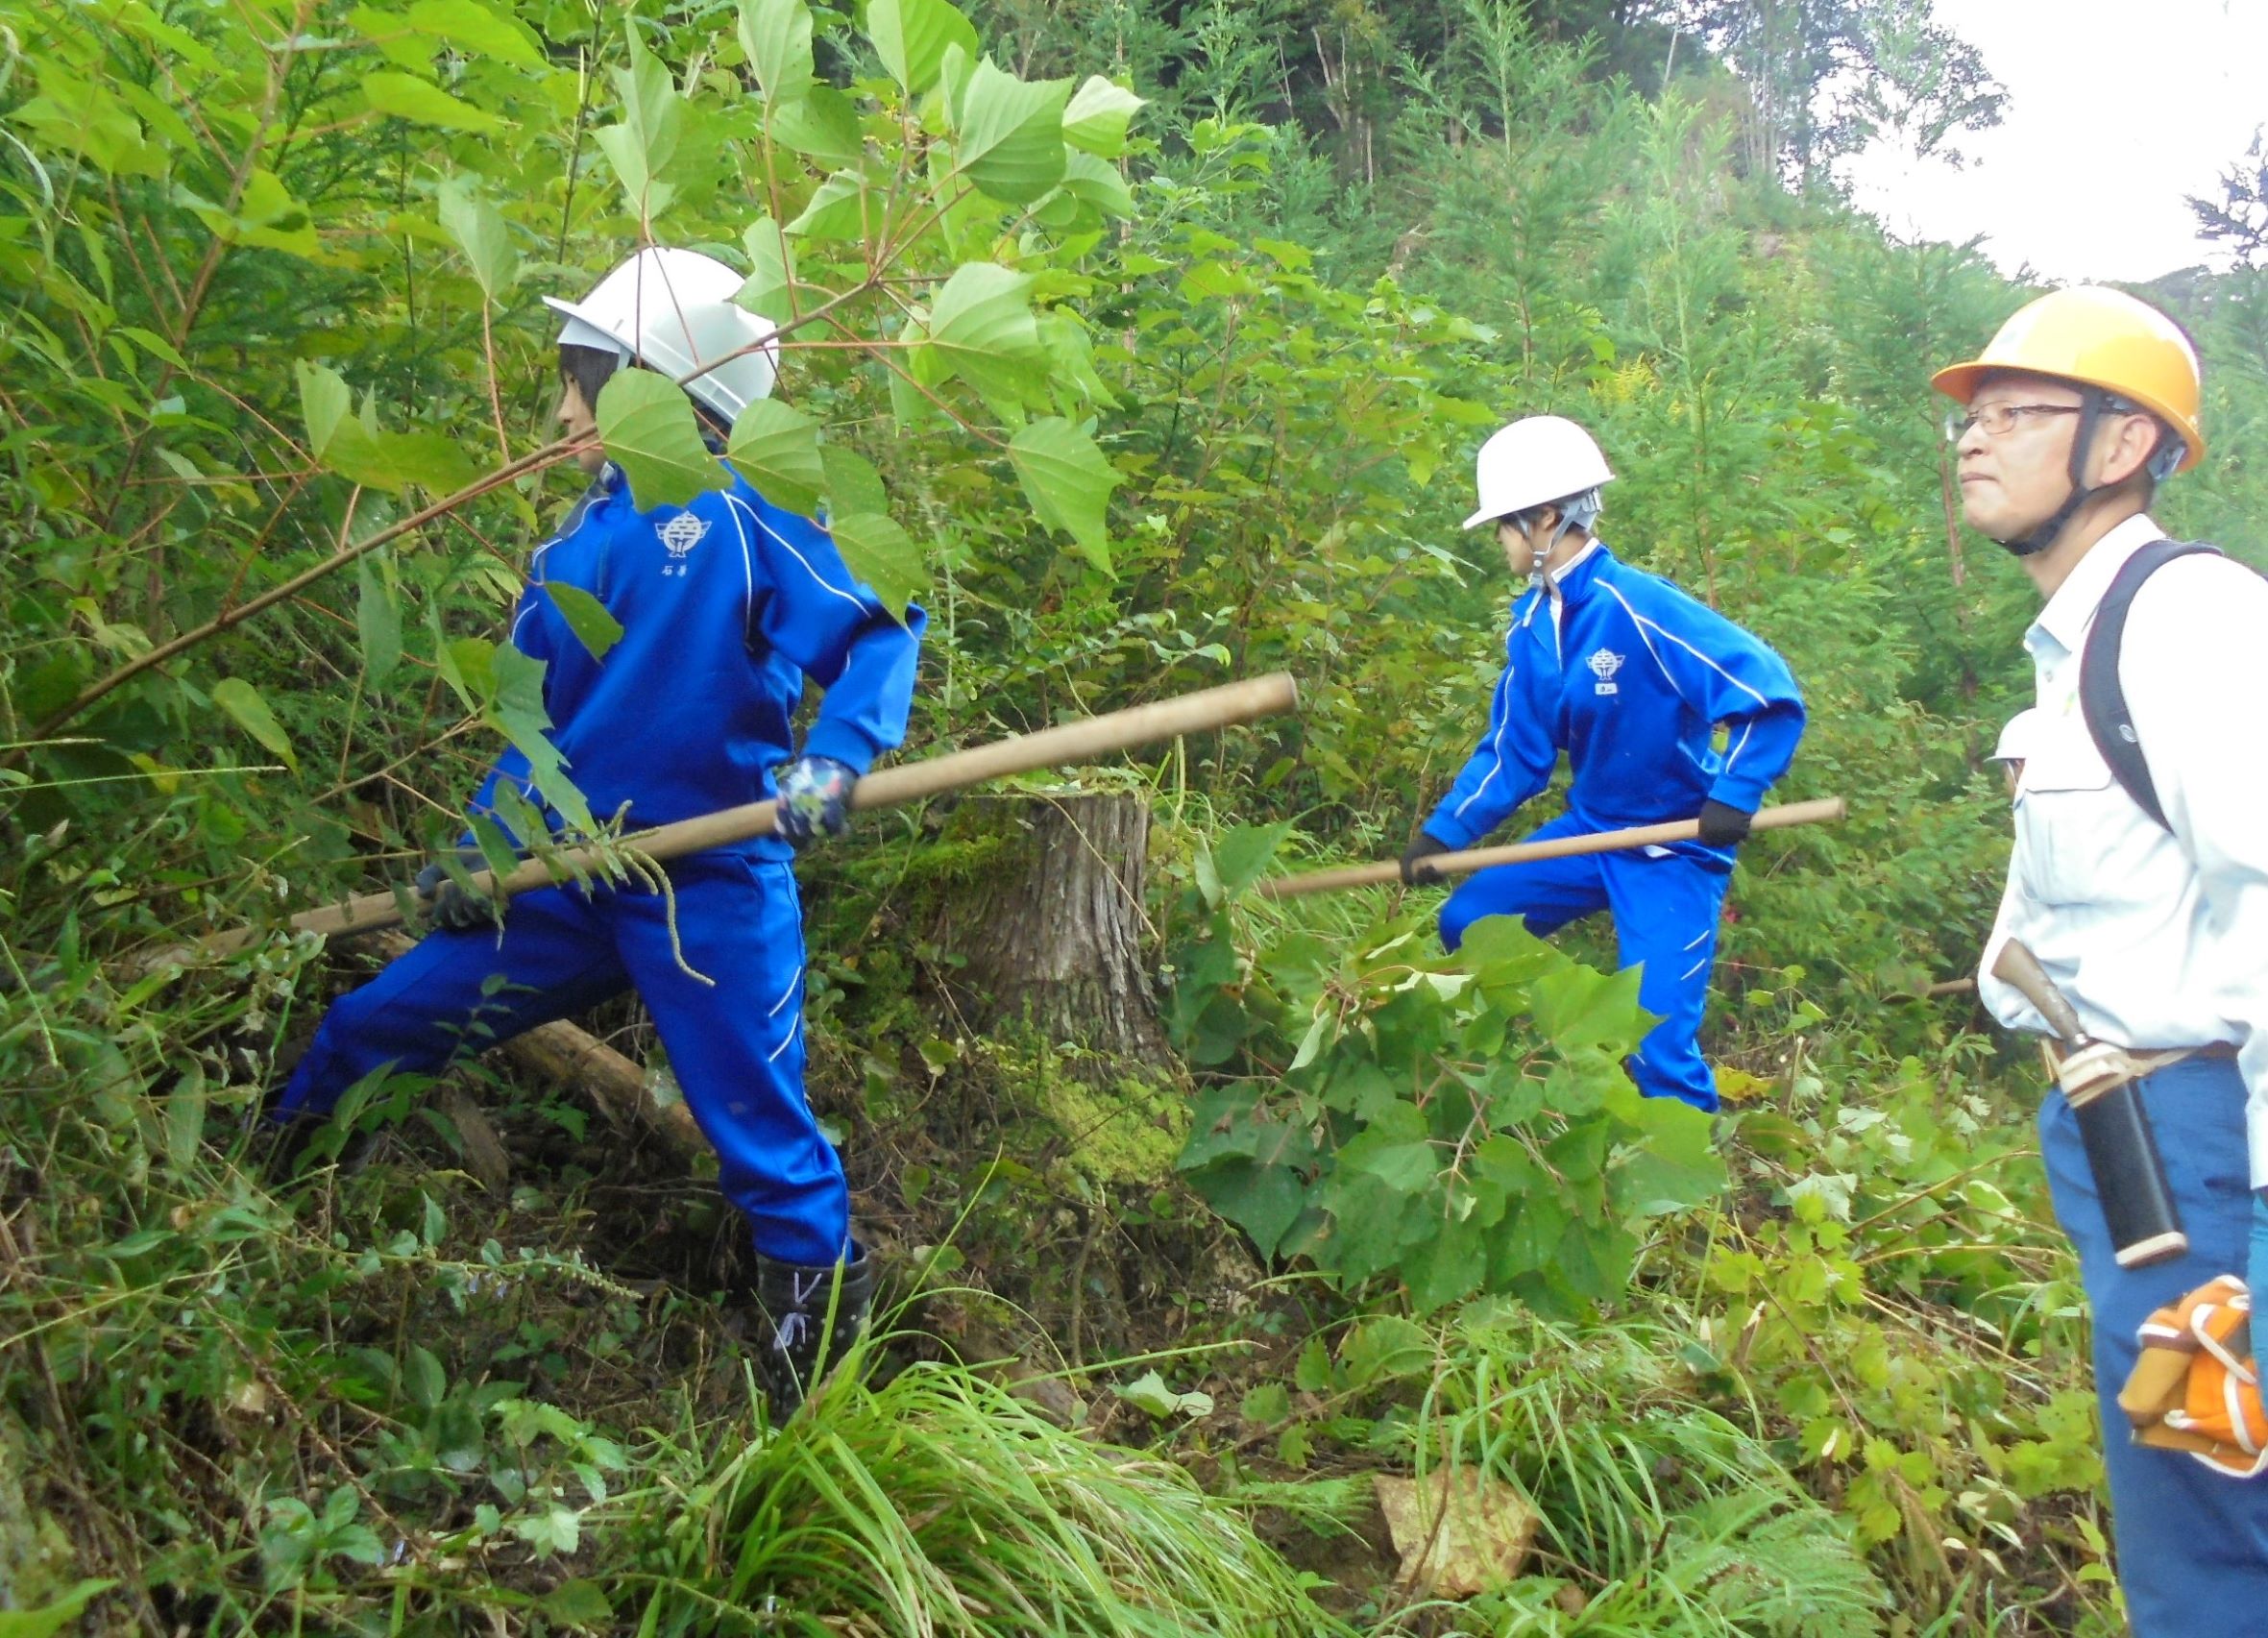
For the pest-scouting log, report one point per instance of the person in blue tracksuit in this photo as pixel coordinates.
(726, 606)
(1632, 679)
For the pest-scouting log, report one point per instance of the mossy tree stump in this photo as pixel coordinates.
(1052, 936)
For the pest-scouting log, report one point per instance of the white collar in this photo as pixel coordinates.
(1569, 567)
(2064, 619)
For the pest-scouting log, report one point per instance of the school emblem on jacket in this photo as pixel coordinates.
(680, 534)
(1603, 666)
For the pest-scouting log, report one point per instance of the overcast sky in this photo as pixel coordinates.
(2117, 109)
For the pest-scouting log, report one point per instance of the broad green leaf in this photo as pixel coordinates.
(243, 702)
(325, 403)
(1149, 1392)
(378, 619)
(407, 97)
(777, 450)
(430, 461)
(1068, 482)
(519, 712)
(839, 210)
(51, 1619)
(1010, 137)
(853, 485)
(481, 233)
(642, 146)
(593, 624)
(424, 1377)
(650, 432)
(1097, 182)
(1580, 1005)
(1070, 353)
(1448, 1268)
(1263, 1201)
(185, 1118)
(1243, 853)
(882, 554)
(1672, 1165)
(911, 37)
(981, 329)
(1095, 118)
(556, 1530)
(581, 1605)
(81, 117)
(823, 125)
(476, 29)
(1402, 1167)
(776, 35)
(767, 293)
(1384, 1349)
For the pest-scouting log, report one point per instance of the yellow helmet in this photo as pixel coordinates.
(2099, 338)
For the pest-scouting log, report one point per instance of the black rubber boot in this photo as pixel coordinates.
(811, 1319)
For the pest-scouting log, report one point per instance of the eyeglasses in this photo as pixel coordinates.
(1998, 420)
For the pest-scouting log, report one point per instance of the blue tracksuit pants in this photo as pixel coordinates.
(737, 1046)
(2192, 1543)
(1666, 911)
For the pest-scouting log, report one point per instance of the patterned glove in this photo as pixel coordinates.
(1722, 825)
(449, 905)
(814, 795)
(1414, 869)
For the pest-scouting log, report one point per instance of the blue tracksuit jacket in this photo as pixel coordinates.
(1630, 677)
(726, 605)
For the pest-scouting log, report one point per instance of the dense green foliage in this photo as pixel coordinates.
(1146, 342)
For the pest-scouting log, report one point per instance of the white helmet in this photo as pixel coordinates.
(672, 310)
(1535, 459)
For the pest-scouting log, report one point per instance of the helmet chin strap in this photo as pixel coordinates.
(2092, 402)
(1576, 512)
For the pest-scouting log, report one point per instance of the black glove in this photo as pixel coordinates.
(1414, 869)
(449, 905)
(814, 795)
(1723, 825)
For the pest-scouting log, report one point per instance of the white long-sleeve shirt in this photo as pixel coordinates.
(2159, 939)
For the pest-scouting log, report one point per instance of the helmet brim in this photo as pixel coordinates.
(1961, 382)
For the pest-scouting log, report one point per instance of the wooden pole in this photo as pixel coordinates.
(1558, 847)
(893, 786)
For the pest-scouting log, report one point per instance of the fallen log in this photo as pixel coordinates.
(568, 1056)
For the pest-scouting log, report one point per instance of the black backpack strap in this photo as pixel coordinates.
(2102, 698)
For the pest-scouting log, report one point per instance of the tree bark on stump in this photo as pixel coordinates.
(1053, 934)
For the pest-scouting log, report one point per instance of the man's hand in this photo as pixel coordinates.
(1414, 869)
(814, 795)
(1723, 825)
(449, 905)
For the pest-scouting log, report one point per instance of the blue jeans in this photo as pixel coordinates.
(2192, 1543)
(737, 1046)
(1666, 913)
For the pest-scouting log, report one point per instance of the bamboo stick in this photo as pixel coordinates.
(1558, 847)
(893, 786)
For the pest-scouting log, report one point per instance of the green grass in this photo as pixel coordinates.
(938, 1504)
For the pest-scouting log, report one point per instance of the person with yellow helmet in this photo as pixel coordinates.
(2139, 875)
